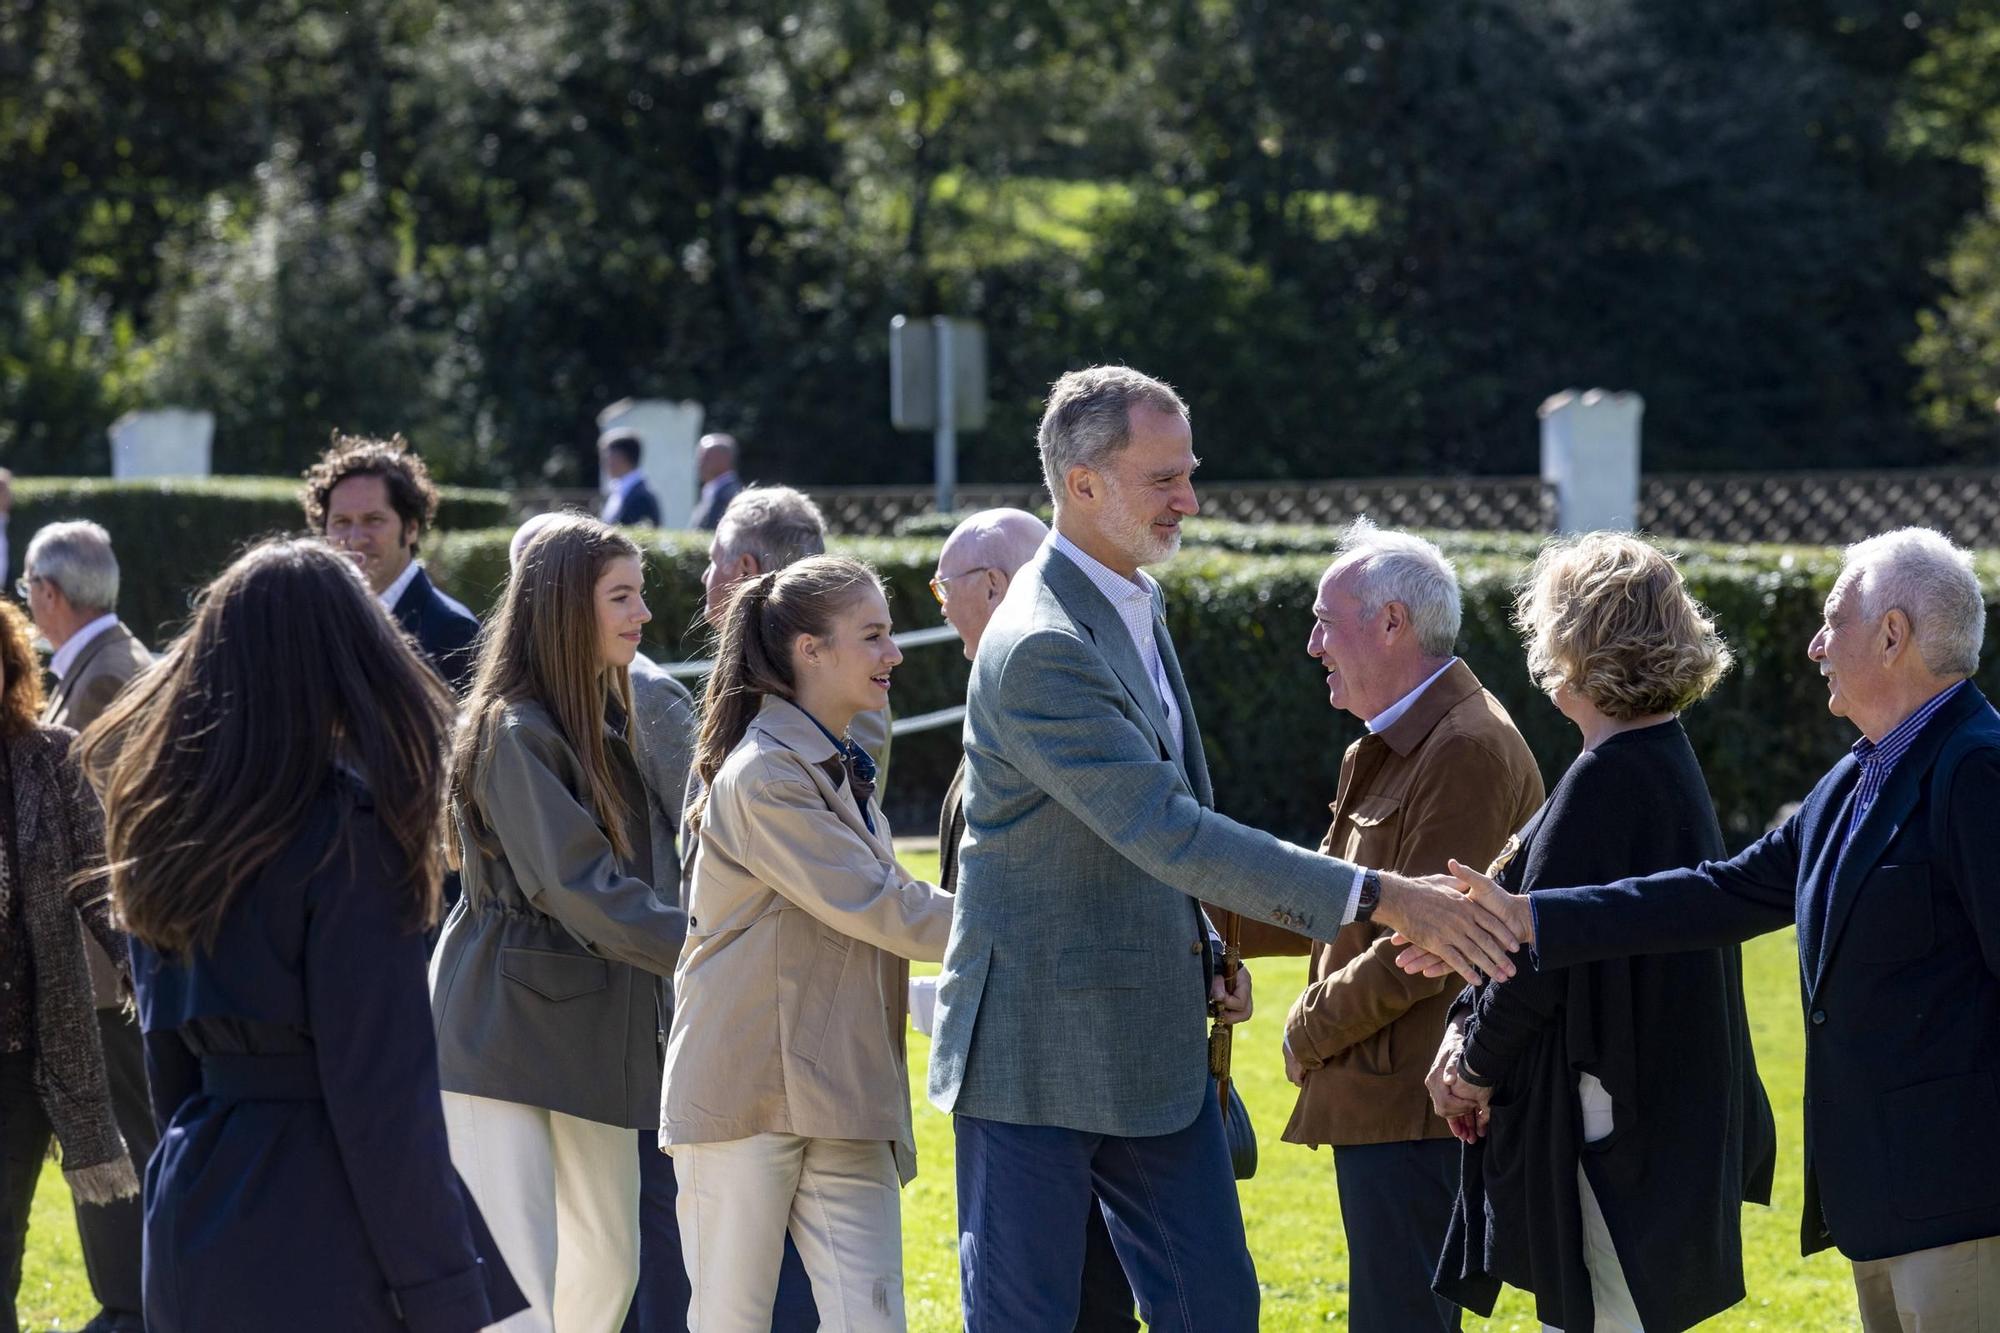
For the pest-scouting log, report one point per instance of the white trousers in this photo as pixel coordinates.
(1616, 1312)
(561, 1196)
(840, 1199)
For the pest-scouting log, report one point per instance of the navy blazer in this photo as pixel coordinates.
(708, 512)
(1899, 969)
(638, 505)
(443, 628)
(303, 1179)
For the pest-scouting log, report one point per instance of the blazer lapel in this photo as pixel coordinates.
(1812, 915)
(78, 670)
(1087, 606)
(1886, 818)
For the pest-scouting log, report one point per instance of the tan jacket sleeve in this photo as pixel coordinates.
(805, 852)
(563, 861)
(1464, 802)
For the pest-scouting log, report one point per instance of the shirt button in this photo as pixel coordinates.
(1818, 1017)
(1195, 947)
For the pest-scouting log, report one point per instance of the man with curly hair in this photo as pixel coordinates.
(374, 499)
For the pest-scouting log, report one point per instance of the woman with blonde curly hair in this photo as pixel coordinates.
(1612, 1115)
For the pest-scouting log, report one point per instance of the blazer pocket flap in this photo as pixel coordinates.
(1372, 810)
(555, 976)
(1103, 969)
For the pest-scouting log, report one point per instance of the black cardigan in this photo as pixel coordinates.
(1668, 1038)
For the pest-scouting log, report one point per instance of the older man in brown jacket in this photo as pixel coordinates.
(1441, 773)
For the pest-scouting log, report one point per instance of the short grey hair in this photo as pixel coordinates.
(777, 524)
(76, 557)
(1391, 566)
(1919, 572)
(1088, 419)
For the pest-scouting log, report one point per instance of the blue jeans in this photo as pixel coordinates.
(660, 1305)
(1169, 1202)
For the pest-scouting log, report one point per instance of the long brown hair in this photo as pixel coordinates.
(209, 763)
(754, 658)
(21, 672)
(541, 646)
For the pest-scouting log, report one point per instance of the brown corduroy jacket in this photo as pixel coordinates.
(1450, 778)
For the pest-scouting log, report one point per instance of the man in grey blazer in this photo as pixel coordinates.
(70, 582)
(1071, 1044)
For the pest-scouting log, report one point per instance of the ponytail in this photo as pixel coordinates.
(753, 657)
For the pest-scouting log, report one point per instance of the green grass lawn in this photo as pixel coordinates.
(1291, 1208)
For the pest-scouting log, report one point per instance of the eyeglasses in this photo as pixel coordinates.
(940, 588)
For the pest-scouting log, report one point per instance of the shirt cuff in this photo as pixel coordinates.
(1354, 896)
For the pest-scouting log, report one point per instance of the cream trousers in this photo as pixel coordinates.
(1949, 1289)
(561, 1196)
(1615, 1311)
(840, 1199)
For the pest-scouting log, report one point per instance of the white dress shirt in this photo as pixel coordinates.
(392, 594)
(1132, 599)
(65, 656)
(714, 484)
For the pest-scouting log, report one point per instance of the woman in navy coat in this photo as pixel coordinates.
(273, 789)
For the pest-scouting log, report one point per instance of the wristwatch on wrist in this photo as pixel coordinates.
(1371, 895)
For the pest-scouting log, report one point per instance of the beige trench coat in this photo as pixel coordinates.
(791, 994)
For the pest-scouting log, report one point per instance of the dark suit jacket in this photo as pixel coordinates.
(708, 513)
(106, 665)
(331, 1207)
(638, 505)
(443, 628)
(1899, 966)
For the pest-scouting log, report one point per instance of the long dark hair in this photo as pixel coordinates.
(754, 657)
(542, 645)
(209, 763)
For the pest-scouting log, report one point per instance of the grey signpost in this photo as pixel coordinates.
(937, 382)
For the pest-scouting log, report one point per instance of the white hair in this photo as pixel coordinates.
(1401, 567)
(76, 557)
(1919, 572)
(525, 534)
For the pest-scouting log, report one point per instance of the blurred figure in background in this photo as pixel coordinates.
(52, 890)
(375, 500)
(547, 983)
(70, 577)
(277, 896)
(631, 501)
(716, 466)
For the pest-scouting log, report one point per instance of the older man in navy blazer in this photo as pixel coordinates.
(1891, 871)
(1071, 1043)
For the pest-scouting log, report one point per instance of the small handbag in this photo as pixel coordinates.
(1237, 1130)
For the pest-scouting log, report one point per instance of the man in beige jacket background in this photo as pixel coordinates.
(1442, 772)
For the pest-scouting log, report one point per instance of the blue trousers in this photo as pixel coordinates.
(660, 1305)
(1395, 1203)
(1168, 1201)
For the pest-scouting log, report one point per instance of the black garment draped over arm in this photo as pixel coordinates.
(1666, 1035)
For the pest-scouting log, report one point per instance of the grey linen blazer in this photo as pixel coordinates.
(1075, 984)
(547, 985)
(107, 664)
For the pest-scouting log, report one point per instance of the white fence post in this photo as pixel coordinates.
(1590, 454)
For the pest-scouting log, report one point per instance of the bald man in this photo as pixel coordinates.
(974, 571)
(716, 468)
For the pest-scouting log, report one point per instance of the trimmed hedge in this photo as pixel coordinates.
(172, 536)
(1240, 624)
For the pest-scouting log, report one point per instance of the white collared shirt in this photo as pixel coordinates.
(392, 594)
(1132, 599)
(65, 656)
(1393, 714)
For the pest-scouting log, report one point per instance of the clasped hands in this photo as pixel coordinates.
(1464, 1106)
(1459, 922)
